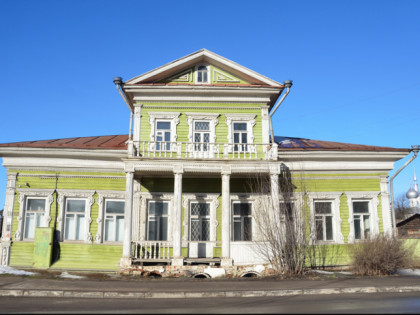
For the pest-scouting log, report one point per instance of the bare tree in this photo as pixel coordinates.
(282, 229)
(402, 207)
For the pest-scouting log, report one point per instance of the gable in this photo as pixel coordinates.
(216, 76)
(223, 71)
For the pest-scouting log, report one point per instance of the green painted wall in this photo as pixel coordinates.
(80, 255)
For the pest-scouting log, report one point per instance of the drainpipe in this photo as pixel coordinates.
(415, 149)
(118, 83)
(288, 84)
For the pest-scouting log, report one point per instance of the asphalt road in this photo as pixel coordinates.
(390, 303)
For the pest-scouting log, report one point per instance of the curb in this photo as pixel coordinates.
(203, 294)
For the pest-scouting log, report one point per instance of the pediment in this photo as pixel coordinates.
(220, 69)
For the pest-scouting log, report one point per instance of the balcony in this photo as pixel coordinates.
(203, 150)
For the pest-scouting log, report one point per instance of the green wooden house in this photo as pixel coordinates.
(172, 192)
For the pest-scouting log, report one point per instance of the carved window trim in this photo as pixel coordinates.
(172, 117)
(334, 198)
(249, 119)
(254, 200)
(372, 198)
(63, 195)
(101, 200)
(145, 198)
(24, 194)
(213, 199)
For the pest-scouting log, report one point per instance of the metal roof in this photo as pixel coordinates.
(116, 142)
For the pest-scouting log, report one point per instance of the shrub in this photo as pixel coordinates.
(381, 255)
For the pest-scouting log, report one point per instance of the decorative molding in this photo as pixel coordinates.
(250, 123)
(184, 76)
(145, 197)
(205, 198)
(218, 76)
(334, 198)
(372, 198)
(24, 193)
(63, 195)
(173, 117)
(195, 107)
(49, 176)
(100, 200)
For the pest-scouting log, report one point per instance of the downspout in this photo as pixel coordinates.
(415, 149)
(118, 83)
(288, 84)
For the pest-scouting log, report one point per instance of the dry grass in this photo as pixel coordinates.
(381, 255)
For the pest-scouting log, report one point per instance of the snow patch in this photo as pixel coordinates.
(11, 271)
(408, 272)
(215, 272)
(66, 275)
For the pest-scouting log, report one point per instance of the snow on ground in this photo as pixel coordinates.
(408, 272)
(66, 275)
(11, 271)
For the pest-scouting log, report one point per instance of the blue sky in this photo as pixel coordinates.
(355, 64)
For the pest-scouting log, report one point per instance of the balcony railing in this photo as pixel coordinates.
(151, 250)
(204, 150)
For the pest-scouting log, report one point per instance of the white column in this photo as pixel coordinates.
(386, 209)
(274, 186)
(226, 218)
(128, 210)
(177, 217)
(8, 219)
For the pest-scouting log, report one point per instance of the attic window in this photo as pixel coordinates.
(202, 74)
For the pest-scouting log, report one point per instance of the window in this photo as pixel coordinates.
(200, 221)
(114, 220)
(157, 223)
(201, 135)
(74, 228)
(324, 221)
(34, 216)
(242, 221)
(163, 134)
(361, 219)
(202, 74)
(240, 137)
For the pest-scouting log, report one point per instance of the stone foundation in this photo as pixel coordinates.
(198, 270)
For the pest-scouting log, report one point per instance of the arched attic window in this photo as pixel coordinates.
(202, 74)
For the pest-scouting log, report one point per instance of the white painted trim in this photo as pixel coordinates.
(172, 117)
(24, 194)
(209, 77)
(250, 123)
(101, 200)
(334, 198)
(86, 195)
(372, 198)
(145, 198)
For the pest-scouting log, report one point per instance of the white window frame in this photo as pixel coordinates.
(322, 217)
(372, 199)
(167, 216)
(172, 117)
(249, 119)
(212, 118)
(36, 213)
(334, 198)
(114, 215)
(200, 218)
(103, 196)
(87, 195)
(24, 194)
(242, 221)
(75, 214)
(208, 81)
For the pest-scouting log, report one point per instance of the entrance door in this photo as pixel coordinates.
(200, 246)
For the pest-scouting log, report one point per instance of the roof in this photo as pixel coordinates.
(296, 144)
(116, 142)
(203, 55)
(406, 220)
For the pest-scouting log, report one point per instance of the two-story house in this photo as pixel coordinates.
(173, 191)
